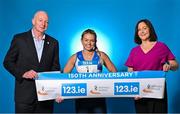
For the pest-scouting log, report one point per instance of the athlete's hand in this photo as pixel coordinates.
(137, 98)
(59, 99)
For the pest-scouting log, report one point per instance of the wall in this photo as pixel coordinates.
(113, 20)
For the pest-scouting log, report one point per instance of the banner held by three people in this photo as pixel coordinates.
(146, 84)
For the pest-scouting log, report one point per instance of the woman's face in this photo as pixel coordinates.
(143, 31)
(88, 42)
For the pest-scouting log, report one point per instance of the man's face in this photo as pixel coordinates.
(40, 22)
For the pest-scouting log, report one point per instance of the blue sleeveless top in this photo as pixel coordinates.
(84, 66)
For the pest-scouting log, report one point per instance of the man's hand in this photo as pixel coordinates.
(31, 74)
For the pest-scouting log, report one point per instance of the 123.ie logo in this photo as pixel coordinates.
(74, 89)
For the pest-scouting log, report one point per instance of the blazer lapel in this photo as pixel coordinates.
(32, 48)
(45, 49)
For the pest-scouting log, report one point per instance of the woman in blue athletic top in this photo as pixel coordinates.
(90, 59)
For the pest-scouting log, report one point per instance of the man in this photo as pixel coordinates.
(32, 52)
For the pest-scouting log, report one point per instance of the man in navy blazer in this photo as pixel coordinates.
(32, 52)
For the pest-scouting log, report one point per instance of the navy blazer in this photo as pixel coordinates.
(22, 57)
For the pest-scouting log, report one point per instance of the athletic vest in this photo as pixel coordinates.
(84, 66)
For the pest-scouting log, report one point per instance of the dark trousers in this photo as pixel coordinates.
(35, 107)
(148, 105)
(91, 105)
(151, 106)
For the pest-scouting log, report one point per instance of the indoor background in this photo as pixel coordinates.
(114, 22)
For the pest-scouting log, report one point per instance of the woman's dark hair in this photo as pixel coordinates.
(91, 32)
(152, 37)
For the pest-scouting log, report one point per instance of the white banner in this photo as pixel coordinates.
(146, 84)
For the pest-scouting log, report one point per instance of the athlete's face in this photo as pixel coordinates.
(88, 42)
(143, 31)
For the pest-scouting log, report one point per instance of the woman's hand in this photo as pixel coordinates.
(166, 67)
